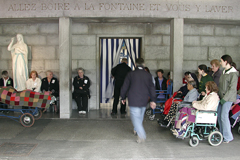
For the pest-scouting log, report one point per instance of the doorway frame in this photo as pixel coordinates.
(142, 54)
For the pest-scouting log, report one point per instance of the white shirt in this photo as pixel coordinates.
(30, 84)
(5, 81)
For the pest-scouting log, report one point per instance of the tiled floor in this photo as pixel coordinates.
(104, 112)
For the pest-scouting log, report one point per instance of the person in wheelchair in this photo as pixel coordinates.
(51, 84)
(160, 84)
(186, 115)
(34, 83)
(192, 95)
(180, 94)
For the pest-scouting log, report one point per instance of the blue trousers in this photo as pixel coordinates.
(224, 122)
(137, 116)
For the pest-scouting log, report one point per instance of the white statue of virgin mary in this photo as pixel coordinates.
(19, 53)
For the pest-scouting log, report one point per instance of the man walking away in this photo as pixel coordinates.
(119, 73)
(138, 85)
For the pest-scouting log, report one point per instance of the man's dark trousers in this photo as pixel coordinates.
(117, 90)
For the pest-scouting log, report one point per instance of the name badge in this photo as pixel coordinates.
(53, 81)
(85, 81)
(35, 84)
(9, 82)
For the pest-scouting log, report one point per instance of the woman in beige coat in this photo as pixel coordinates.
(209, 102)
(211, 99)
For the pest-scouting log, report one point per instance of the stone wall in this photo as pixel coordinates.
(42, 40)
(157, 48)
(203, 43)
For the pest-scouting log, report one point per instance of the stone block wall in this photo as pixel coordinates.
(155, 47)
(203, 43)
(42, 40)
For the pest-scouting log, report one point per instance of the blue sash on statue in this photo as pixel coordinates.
(21, 56)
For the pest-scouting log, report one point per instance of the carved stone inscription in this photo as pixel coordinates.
(162, 7)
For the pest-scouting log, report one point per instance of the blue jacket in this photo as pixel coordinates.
(138, 86)
(191, 96)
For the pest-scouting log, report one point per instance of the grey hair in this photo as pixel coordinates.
(48, 71)
(81, 69)
(193, 83)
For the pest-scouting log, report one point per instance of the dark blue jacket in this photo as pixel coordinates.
(138, 86)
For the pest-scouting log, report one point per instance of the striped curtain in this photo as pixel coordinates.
(110, 55)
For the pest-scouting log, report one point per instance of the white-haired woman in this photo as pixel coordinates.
(51, 85)
(81, 92)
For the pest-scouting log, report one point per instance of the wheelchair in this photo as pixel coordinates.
(159, 109)
(204, 128)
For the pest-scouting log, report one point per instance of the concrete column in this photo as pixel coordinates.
(176, 52)
(65, 66)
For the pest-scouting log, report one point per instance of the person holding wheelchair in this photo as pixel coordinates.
(228, 94)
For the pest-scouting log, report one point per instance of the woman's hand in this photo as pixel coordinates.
(194, 102)
(203, 93)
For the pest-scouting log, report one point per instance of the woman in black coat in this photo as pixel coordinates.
(81, 92)
(51, 85)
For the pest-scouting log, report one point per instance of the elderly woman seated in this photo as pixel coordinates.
(81, 92)
(51, 85)
(34, 83)
(182, 92)
(185, 115)
(192, 95)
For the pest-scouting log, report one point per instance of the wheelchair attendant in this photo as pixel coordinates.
(227, 93)
(187, 114)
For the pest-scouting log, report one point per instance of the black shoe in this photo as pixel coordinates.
(124, 112)
(113, 113)
(163, 123)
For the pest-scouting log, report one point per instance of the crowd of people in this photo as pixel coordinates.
(48, 84)
(212, 90)
(81, 84)
(203, 91)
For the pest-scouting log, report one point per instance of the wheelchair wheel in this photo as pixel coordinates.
(188, 134)
(194, 141)
(38, 115)
(27, 120)
(151, 117)
(215, 138)
(239, 130)
(148, 112)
